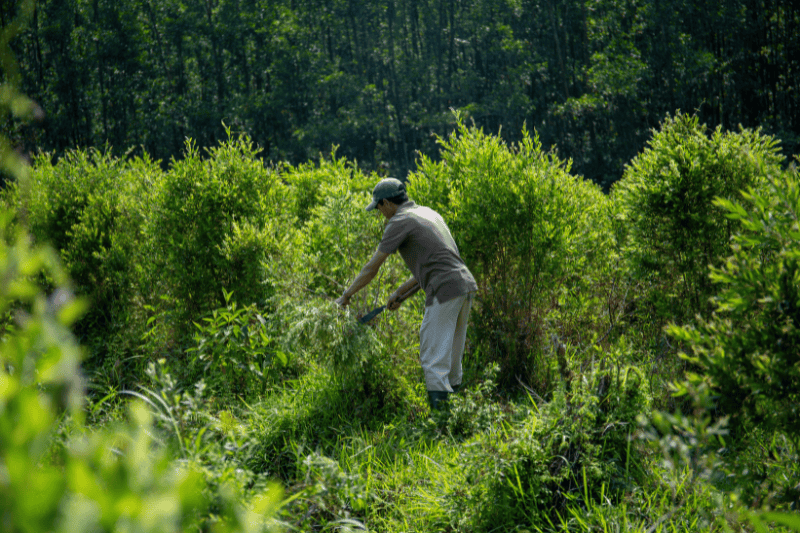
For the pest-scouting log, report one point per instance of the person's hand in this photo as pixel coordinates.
(393, 304)
(343, 300)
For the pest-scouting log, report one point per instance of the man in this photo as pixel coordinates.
(428, 249)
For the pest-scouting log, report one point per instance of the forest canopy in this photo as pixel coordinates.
(379, 78)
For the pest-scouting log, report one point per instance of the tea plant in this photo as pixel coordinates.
(313, 183)
(91, 207)
(340, 237)
(216, 223)
(354, 353)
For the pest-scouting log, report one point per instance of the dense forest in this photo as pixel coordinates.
(378, 78)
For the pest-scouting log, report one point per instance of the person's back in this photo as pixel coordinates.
(429, 250)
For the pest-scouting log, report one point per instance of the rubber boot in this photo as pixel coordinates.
(437, 399)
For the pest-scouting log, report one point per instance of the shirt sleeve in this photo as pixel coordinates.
(393, 236)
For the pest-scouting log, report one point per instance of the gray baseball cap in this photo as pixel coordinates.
(386, 188)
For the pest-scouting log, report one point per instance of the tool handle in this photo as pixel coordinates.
(403, 297)
(378, 310)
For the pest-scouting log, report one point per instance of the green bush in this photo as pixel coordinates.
(532, 234)
(671, 227)
(255, 252)
(339, 239)
(218, 223)
(105, 480)
(354, 354)
(338, 236)
(91, 207)
(747, 353)
(233, 351)
(322, 330)
(312, 183)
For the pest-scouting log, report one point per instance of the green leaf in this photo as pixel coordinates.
(71, 312)
(787, 519)
(758, 525)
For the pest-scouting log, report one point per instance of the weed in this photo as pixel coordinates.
(576, 447)
(234, 351)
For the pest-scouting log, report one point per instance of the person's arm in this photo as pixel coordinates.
(366, 275)
(405, 290)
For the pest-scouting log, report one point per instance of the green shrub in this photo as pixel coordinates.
(254, 253)
(352, 351)
(338, 236)
(218, 222)
(339, 239)
(532, 234)
(233, 351)
(99, 481)
(672, 229)
(747, 353)
(575, 448)
(323, 331)
(91, 207)
(313, 183)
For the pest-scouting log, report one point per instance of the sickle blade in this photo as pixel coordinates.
(372, 314)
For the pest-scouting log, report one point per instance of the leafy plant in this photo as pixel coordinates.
(577, 447)
(746, 352)
(91, 207)
(472, 409)
(313, 183)
(233, 351)
(673, 229)
(104, 481)
(697, 450)
(526, 229)
(217, 223)
(340, 237)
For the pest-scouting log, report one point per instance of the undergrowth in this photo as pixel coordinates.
(568, 418)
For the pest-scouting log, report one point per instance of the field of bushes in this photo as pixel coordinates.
(173, 359)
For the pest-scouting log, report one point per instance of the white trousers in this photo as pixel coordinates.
(442, 337)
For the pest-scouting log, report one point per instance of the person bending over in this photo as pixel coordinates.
(428, 249)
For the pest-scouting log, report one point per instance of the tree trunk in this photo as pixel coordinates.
(216, 53)
(559, 56)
